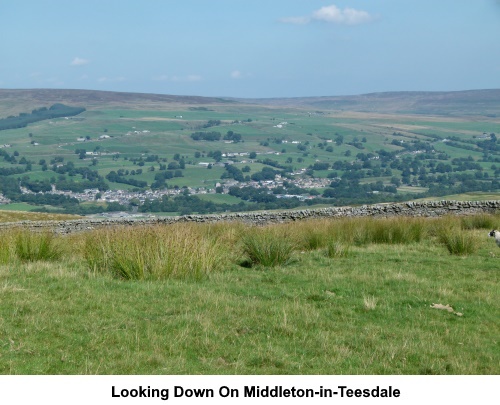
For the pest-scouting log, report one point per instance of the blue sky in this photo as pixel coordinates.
(243, 48)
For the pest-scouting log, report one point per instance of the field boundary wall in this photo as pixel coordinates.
(410, 209)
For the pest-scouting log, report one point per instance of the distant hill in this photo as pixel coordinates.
(456, 103)
(12, 102)
(471, 102)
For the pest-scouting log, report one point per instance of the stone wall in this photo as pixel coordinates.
(412, 209)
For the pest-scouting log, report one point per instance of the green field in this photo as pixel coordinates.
(340, 302)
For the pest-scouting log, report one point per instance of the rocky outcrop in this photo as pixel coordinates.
(410, 209)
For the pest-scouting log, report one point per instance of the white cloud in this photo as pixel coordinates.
(333, 14)
(236, 74)
(349, 16)
(79, 62)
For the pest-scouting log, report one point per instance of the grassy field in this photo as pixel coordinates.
(316, 297)
(466, 197)
(19, 212)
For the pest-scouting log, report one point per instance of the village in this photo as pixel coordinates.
(126, 197)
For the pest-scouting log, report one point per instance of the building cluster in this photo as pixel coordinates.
(125, 197)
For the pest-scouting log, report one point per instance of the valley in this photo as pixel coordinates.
(182, 155)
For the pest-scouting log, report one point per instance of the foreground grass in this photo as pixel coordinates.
(368, 312)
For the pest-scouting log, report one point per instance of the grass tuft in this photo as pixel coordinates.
(267, 247)
(479, 221)
(154, 253)
(33, 247)
(370, 303)
(461, 243)
(337, 249)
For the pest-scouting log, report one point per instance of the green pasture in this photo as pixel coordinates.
(220, 198)
(479, 196)
(19, 207)
(188, 299)
(168, 134)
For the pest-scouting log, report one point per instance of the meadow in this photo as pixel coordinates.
(344, 296)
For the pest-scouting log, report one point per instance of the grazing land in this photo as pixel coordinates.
(345, 296)
(151, 153)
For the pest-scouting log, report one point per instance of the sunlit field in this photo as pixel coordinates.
(346, 296)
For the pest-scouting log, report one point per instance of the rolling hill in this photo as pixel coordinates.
(456, 103)
(472, 102)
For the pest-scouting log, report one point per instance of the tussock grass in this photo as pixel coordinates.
(318, 234)
(448, 232)
(370, 303)
(268, 246)
(175, 251)
(389, 231)
(459, 243)
(480, 221)
(337, 249)
(33, 247)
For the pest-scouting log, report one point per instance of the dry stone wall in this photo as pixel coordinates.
(411, 209)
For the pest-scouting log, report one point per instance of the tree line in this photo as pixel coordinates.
(40, 114)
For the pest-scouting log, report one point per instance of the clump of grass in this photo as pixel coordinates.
(370, 303)
(394, 230)
(154, 253)
(439, 226)
(33, 247)
(267, 247)
(479, 221)
(459, 243)
(6, 253)
(336, 249)
(313, 240)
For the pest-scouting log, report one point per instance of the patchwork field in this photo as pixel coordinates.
(395, 155)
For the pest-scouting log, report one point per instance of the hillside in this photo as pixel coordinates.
(456, 103)
(20, 100)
